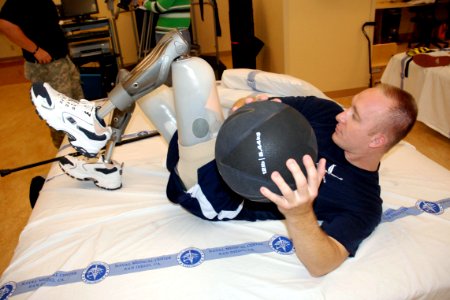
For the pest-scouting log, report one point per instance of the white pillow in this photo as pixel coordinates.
(267, 82)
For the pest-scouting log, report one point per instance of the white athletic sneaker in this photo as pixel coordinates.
(86, 133)
(105, 175)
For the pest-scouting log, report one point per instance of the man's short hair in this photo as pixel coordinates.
(402, 115)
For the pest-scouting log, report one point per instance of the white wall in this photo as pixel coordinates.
(322, 41)
(204, 30)
(270, 27)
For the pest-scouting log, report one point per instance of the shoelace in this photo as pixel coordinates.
(67, 102)
(73, 104)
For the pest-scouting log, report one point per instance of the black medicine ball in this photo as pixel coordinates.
(258, 139)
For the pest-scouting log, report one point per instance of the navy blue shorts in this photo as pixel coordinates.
(211, 198)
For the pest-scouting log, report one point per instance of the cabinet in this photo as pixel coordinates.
(93, 49)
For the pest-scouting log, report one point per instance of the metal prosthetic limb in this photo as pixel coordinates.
(197, 108)
(149, 74)
(119, 123)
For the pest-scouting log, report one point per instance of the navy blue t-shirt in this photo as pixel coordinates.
(348, 204)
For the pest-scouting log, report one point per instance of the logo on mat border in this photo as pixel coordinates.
(95, 272)
(7, 290)
(281, 245)
(430, 207)
(191, 257)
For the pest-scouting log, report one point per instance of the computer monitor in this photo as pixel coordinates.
(78, 10)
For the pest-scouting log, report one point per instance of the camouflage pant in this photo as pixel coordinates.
(63, 76)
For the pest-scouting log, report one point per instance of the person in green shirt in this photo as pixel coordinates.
(172, 14)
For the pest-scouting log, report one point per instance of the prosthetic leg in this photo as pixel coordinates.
(144, 78)
(194, 108)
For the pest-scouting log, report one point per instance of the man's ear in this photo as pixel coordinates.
(378, 140)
